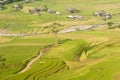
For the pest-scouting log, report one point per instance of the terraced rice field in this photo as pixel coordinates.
(57, 62)
(102, 62)
(17, 53)
(42, 69)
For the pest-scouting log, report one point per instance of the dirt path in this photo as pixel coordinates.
(33, 60)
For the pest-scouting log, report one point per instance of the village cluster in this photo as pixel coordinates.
(103, 14)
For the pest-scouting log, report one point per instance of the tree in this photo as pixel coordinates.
(54, 28)
(45, 8)
(2, 61)
(110, 23)
(82, 48)
(2, 7)
(78, 53)
(88, 47)
(79, 49)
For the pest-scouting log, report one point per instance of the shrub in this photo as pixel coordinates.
(2, 7)
(111, 27)
(110, 23)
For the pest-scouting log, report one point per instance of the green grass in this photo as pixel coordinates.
(101, 65)
(102, 70)
(34, 40)
(41, 69)
(20, 21)
(19, 51)
(16, 56)
(65, 51)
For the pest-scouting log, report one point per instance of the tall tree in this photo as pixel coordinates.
(54, 28)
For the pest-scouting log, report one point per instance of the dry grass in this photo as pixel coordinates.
(88, 38)
(26, 9)
(107, 6)
(117, 76)
(7, 16)
(3, 40)
(23, 44)
(76, 65)
(70, 23)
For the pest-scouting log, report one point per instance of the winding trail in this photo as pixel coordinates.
(33, 60)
